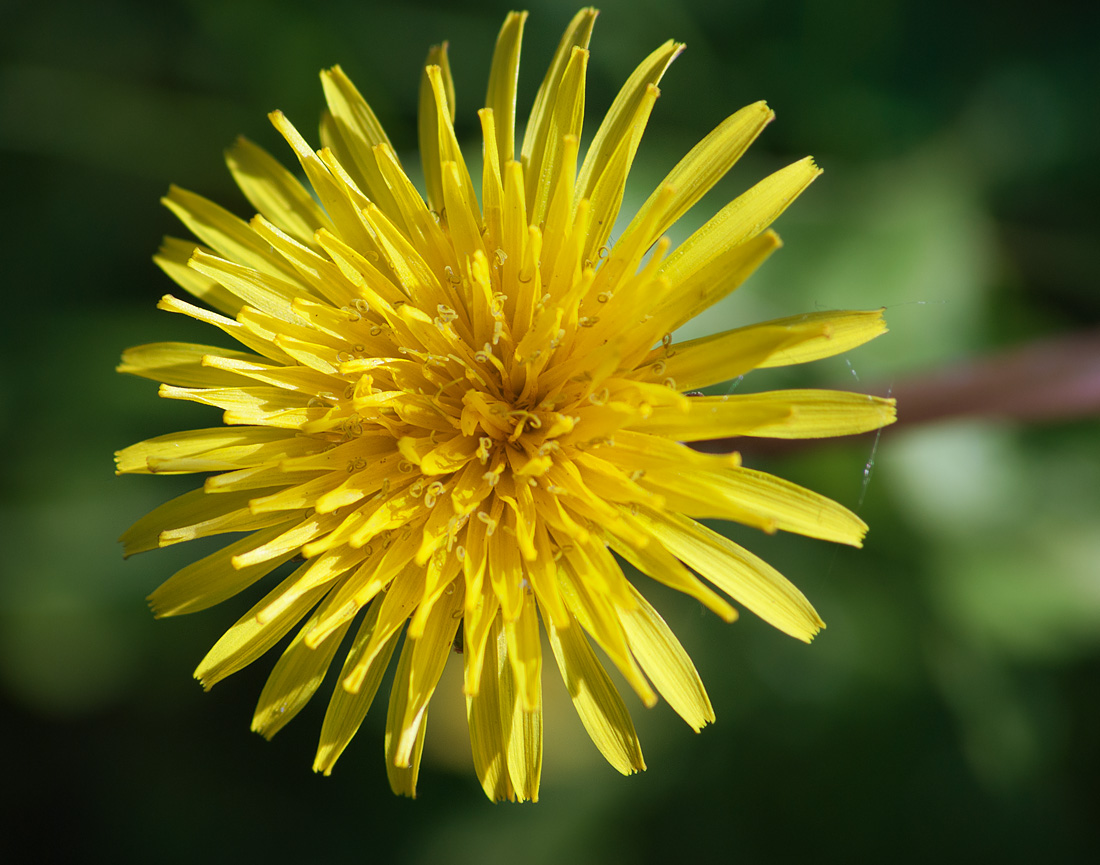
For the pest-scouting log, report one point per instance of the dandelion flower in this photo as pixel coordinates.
(455, 417)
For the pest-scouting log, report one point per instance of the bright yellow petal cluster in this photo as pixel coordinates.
(452, 417)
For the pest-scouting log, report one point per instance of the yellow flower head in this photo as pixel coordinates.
(455, 417)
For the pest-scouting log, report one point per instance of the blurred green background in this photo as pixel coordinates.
(951, 709)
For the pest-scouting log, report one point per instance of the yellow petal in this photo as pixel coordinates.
(536, 134)
(213, 578)
(442, 568)
(702, 495)
(248, 369)
(718, 417)
(757, 499)
(795, 508)
(190, 512)
(464, 222)
(523, 508)
(359, 131)
(520, 267)
(846, 330)
(798, 414)
(429, 655)
(259, 344)
(506, 571)
(600, 618)
(489, 716)
(378, 568)
(212, 449)
(355, 488)
(338, 195)
(449, 456)
(286, 543)
(598, 704)
(667, 664)
(656, 562)
(699, 282)
(477, 626)
(421, 226)
(503, 75)
(492, 188)
(248, 639)
(435, 113)
(636, 453)
(346, 710)
(809, 337)
(525, 654)
(321, 275)
(403, 776)
(543, 574)
(606, 186)
(255, 478)
(173, 257)
(712, 359)
(541, 169)
(737, 572)
(607, 590)
(622, 118)
(629, 297)
(263, 406)
(524, 740)
(271, 294)
(227, 234)
(506, 739)
(704, 166)
(394, 610)
(320, 571)
(297, 675)
(563, 229)
(413, 273)
(742, 219)
(239, 520)
(275, 192)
